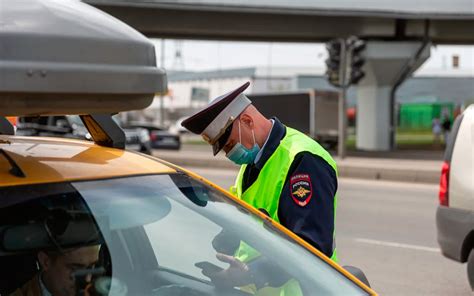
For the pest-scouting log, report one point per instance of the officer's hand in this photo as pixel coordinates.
(237, 274)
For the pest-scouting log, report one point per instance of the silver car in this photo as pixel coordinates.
(455, 214)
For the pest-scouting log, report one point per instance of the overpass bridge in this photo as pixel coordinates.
(399, 35)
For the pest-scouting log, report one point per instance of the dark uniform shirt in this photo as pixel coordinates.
(313, 222)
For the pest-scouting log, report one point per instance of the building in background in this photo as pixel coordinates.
(188, 91)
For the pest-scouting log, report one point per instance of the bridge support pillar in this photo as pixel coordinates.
(387, 65)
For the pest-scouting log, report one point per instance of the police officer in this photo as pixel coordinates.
(283, 173)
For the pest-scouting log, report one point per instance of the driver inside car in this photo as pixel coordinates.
(55, 277)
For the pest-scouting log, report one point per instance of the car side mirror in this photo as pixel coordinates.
(358, 273)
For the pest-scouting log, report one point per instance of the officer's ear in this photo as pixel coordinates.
(247, 120)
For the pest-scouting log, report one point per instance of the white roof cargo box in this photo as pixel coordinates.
(66, 57)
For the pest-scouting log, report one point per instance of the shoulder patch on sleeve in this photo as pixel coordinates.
(301, 189)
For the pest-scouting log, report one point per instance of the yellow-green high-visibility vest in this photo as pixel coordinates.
(265, 192)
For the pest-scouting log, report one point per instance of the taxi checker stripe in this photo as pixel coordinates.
(217, 127)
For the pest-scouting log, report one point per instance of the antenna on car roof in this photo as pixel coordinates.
(6, 128)
(104, 130)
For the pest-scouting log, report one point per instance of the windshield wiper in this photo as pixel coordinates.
(15, 170)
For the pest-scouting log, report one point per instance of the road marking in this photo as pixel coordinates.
(388, 183)
(397, 245)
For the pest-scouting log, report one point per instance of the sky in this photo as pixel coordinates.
(213, 55)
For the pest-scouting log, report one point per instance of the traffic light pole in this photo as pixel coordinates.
(162, 100)
(341, 151)
(343, 70)
(342, 121)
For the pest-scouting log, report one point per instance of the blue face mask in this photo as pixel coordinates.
(239, 154)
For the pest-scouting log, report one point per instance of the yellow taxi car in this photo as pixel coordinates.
(155, 222)
(83, 218)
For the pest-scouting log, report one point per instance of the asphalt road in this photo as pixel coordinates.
(388, 230)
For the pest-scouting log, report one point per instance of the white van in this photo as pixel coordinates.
(455, 214)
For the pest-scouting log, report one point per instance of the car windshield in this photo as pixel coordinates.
(158, 235)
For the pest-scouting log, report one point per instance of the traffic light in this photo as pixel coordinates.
(345, 61)
(356, 49)
(333, 62)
